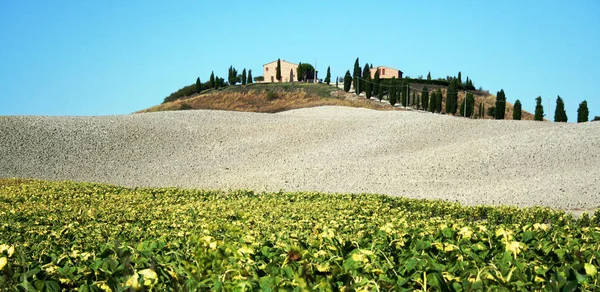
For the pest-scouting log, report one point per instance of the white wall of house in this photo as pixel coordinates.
(289, 71)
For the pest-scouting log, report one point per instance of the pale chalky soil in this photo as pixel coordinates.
(327, 149)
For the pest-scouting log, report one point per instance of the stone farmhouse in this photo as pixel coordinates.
(386, 72)
(288, 71)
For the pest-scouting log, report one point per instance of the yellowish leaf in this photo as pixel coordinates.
(149, 276)
(3, 262)
(590, 269)
(133, 282)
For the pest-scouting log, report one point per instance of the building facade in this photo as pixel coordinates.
(386, 72)
(289, 71)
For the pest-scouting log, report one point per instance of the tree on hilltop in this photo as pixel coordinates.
(232, 76)
(517, 110)
(452, 97)
(198, 87)
(347, 81)
(392, 91)
(376, 83)
(328, 77)
(438, 101)
(211, 82)
(583, 114)
(368, 87)
(539, 109)
(470, 100)
(425, 97)
(405, 93)
(432, 101)
(459, 78)
(249, 76)
(559, 114)
(244, 77)
(428, 75)
(355, 75)
(305, 71)
(500, 105)
(366, 73)
(278, 70)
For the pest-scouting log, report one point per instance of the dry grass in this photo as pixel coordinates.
(264, 101)
(490, 100)
(278, 97)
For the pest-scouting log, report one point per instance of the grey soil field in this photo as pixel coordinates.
(325, 149)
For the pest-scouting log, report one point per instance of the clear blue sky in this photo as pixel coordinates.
(116, 57)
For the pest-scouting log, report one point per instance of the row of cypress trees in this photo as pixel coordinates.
(433, 101)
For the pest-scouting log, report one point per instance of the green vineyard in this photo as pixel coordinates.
(64, 236)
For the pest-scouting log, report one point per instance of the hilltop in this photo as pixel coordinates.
(267, 98)
(278, 97)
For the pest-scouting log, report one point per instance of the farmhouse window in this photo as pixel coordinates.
(267, 69)
(382, 72)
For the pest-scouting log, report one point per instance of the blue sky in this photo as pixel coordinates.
(116, 57)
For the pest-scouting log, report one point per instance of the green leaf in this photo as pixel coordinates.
(52, 286)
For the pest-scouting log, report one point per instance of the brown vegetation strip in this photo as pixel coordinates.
(263, 102)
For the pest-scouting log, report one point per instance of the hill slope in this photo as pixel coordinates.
(278, 97)
(329, 149)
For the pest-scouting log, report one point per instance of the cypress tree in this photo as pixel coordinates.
(249, 77)
(451, 97)
(355, 75)
(278, 71)
(379, 92)
(459, 78)
(413, 100)
(244, 77)
(198, 85)
(368, 87)
(404, 89)
(560, 115)
(366, 73)
(328, 77)
(583, 114)
(481, 113)
(232, 76)
(376, 82)
(500, 105)
(428, 75)
(470, 100)
(438, 101)
(539, 109)
(217, 85)
(424, 97)
(432, 101)
(211, 81)
(392, 95)
(347, 81)
(517, 110)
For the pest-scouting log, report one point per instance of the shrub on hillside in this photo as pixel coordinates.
(183, 92)
(271, 95)
(492, 111)
(185, 106)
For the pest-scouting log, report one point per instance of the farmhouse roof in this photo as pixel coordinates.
(281, 61)
(386, 67)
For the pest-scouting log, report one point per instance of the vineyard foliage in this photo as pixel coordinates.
(91, 237)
